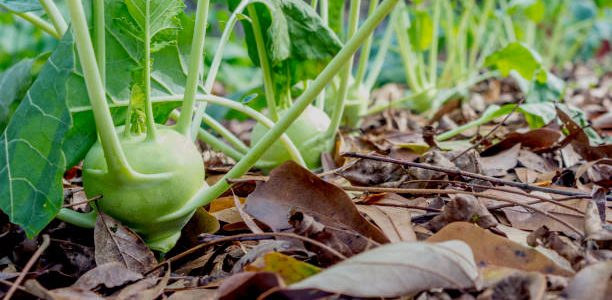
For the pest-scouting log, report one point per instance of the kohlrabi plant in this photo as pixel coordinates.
(104, 97)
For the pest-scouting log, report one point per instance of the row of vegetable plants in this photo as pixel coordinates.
(127, 92)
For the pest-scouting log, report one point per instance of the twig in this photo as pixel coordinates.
(450, 191)
(97, 197)
(28, 266)
(456, 172)
(429, 209)
(484, 138)
(245, 217)
(511, 191)
(248, 236)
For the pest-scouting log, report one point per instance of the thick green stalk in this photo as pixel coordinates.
(264, 63)
(37, 22)
(338, 111)
(556, 37)
(364, 56)
(195, 62)
(508, 25)
(225, 133)
(408, 60)
(56, 17)
(383, 48)
(84, 220)
(480, 32)
(325, 11)
(462, 37)
(433, 53)
(150, 119)
(206, 194)
(99, 37)
(451, 46)
(115, 158)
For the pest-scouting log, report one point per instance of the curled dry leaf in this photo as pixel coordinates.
(399, 269)
(580, 140)
(592, 282)
(492, 249)
(463, 208)
(292, 187)
(117, 243)
(110, 275)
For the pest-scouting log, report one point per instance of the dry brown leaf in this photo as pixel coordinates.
(194, 294)
(399, 269)
(509, 283)
(292, 187)
(365, 172)
(580, 140)
(536, 140)
(117, 243)
(248, 285)
(146, 289)
(535, 162)
(288, 268)
(201, 222)
(592, 282)
(110, 275)
(500, 163)
(395, 222)
(492, 249)
(35, 288)
(463, 208)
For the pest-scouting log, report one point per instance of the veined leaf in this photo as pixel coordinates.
(53, 127)
(20, 5)
(14, 83)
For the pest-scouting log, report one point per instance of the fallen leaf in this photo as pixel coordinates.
(69, 293)
(112, 274)
(593, 226)
(395, 222)
(117, 243)
(536, 140)
(201, 222)
(535, 162)
(288, 268)
(248, 285)
(515, 284)
(399, 269)
(580, 140)
(146, 289)
(492, 249)
(592, 282)
(463, 208)
(292, 187)
(366, 172)
(500, 163)
(193, 294)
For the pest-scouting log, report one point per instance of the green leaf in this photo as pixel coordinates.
(538, 114)
(20, 5)
(336, 16)
(53, 127)
(14, 83)
(535, 10)
(420, 30)
(163, 16)
(515, 57)
(299, 44)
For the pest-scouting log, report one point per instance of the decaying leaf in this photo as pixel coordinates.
(537, 140)
(580, 140)
(288, 268)
(399, 269)
(492, 249)
(592, 282)
(110, 275)
(117, 243)
(463, 208)
(292, 187)
(365, 172)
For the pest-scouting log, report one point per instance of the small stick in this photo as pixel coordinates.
(484, 138)
(97, 197)
(429, 209)
(520, 185)
(247, 236)
(450, 191)
(28, 266)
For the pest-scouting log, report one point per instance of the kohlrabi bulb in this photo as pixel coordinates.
(173, 172)
(312, 123)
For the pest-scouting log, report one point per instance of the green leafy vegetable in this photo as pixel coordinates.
(516, 57)
(14, 83)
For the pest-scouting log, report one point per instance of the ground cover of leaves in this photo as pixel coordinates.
(513, 213)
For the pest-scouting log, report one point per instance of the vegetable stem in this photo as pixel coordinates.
(114, 155)
(206, 194)
(84, 220)
(150, 120)
(56, 17)
(433, 53)
(36, 21)
(225, 133)
(401, 24)
(99, 37)
(381, 54)
(338, 111)
(364, 56)
(264, 63)
(184, 122)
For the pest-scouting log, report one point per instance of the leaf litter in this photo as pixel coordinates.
(364, 227)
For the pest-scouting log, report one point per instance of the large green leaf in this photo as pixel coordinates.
(20, 5)
(53, 127)
(14, 83)
(299, 44)
(420, 31)
(516, 57)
